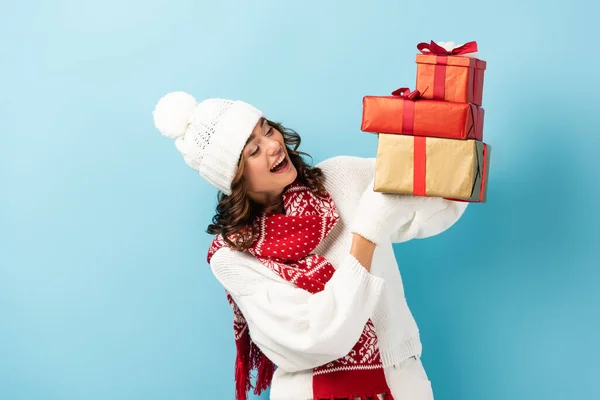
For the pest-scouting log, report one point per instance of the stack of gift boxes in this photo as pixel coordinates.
(430, 140)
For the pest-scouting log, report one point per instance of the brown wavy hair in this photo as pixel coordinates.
(235, 213)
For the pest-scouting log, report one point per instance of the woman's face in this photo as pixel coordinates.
(267, 166)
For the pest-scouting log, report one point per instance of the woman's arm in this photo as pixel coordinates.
(295, 329)
(362, 250)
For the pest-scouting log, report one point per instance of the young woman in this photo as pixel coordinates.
(305, 255)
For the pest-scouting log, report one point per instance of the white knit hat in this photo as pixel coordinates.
(210, 135)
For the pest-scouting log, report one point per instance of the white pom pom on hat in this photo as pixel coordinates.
(172, 113)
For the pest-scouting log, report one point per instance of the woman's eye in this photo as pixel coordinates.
(255, 152)
(269, 132)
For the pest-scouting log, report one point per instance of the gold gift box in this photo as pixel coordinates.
(435, 167)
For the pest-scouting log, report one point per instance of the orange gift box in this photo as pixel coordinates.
(448, 75)
(435, 167)
(401, 115)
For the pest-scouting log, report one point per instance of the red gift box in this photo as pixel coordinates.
(450, 75)
(406, 113)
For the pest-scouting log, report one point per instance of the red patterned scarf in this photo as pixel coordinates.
(285, 245)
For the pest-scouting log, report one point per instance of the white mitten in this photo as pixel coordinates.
(378, 215)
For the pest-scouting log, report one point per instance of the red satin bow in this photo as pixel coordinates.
(434, 48)
(406, 93)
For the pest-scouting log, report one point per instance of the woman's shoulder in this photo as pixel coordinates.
(348, 164)
(345, 174)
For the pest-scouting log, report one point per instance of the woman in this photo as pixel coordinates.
(305, 255)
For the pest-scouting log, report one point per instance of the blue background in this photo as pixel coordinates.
(104, 288)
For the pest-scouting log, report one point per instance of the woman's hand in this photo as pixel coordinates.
(379, 214)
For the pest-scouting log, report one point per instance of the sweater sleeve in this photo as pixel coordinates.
(434, 218)
(295, 329)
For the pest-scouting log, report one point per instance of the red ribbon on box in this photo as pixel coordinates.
(420, 165)
(408, 113)
(483, 174)
(420, 153)
(439, 75)
(406, 93)
(434, 48)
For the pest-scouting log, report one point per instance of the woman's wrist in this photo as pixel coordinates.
(362, 250)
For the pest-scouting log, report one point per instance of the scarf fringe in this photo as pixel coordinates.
(242, 368)
(249, 357)
(266, 369)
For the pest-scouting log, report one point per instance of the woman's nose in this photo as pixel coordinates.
(273, 146)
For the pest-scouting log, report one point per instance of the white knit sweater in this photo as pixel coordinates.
(299, 331)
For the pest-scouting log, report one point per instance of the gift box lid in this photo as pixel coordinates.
(458, 61)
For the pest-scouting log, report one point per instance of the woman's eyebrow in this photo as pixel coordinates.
(252, 136)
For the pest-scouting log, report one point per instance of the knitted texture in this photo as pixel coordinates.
(210, 135)
(285, 246)
(378, 215)
(300, 331)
